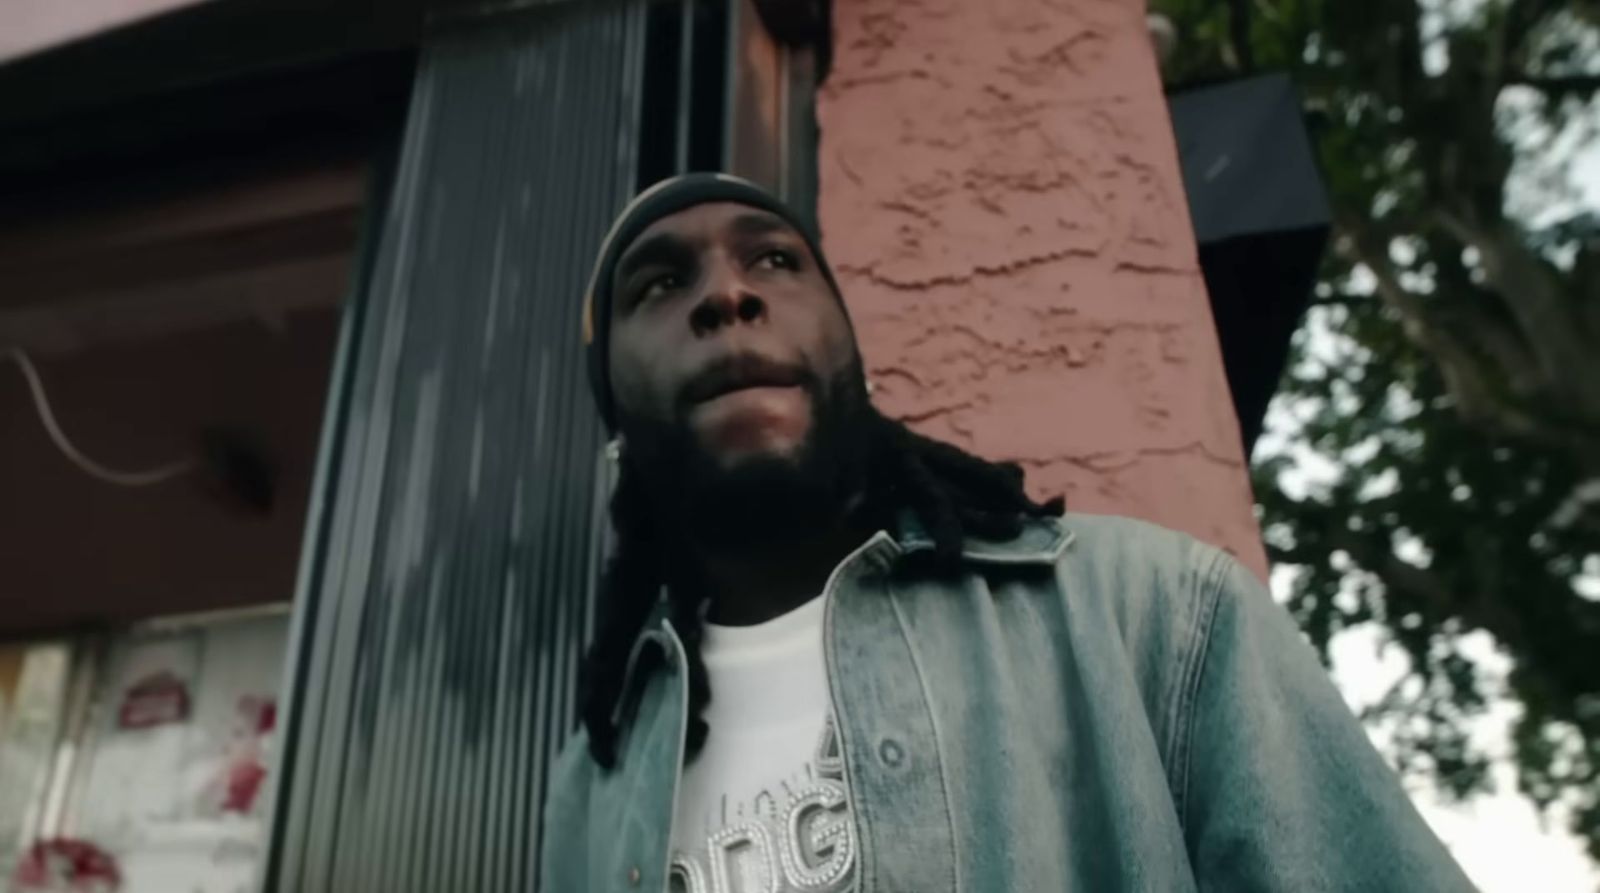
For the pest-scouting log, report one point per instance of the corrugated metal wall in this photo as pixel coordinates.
(444, 595)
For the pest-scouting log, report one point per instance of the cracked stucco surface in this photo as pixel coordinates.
(1000, 198)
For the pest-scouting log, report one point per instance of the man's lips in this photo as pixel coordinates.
(751, 397)
(740, 372)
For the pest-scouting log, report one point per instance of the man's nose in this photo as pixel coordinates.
(727, 299)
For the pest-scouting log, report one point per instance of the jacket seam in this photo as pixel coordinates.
(938, 736)
(632, 685)
(1210, 593)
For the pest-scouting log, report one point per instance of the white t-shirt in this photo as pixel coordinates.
(763, 807)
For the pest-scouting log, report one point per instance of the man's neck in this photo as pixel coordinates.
(753, 585)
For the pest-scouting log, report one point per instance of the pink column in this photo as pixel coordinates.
(1001, 198)
(31, 26)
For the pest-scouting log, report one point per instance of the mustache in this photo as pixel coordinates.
(732, 372)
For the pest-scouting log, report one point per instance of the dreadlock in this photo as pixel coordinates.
(953, 493)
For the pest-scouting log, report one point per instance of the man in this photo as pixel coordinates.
(836, 655)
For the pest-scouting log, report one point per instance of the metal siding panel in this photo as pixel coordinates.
(435, 671)
(304, 632)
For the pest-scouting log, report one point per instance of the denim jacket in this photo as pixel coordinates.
(1099, 704)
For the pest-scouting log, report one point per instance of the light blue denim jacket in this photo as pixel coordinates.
(1098, 705)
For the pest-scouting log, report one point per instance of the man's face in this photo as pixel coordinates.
(726, 337)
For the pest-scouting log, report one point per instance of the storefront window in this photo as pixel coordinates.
(33, 693)
(158, 782)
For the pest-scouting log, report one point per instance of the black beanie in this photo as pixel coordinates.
(663, 199)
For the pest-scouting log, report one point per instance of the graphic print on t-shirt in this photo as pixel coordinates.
(795, 835)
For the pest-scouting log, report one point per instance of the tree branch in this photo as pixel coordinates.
(1470, 313)
(1556, 87)
(1533, 296)
(1409, 75)
(1478, 397)
(1521, 17)
(1557, 644)
(1421, 587)
(1362, 302)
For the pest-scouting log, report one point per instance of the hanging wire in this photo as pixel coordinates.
(59, 438)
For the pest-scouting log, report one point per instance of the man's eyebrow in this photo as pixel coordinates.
(660, 248)
(759, 223)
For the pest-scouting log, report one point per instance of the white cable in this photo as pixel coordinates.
(122, 478)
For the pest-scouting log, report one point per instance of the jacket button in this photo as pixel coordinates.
(891, 753)
(633, 876)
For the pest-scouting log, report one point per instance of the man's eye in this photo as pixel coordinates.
(778, 259)
(658, 286)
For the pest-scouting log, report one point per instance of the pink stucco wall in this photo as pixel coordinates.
(29, 26)
(1001, 198)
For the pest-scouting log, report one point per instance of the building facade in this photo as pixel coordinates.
(328, 259)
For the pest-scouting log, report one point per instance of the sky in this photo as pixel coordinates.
(1499, 839)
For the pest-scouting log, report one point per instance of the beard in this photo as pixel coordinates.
(764, 499)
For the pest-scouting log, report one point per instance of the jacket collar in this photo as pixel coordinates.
(1042, 541)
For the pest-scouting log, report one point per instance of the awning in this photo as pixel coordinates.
(1262, 219)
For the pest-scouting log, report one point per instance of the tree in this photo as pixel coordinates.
(1461, 298)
